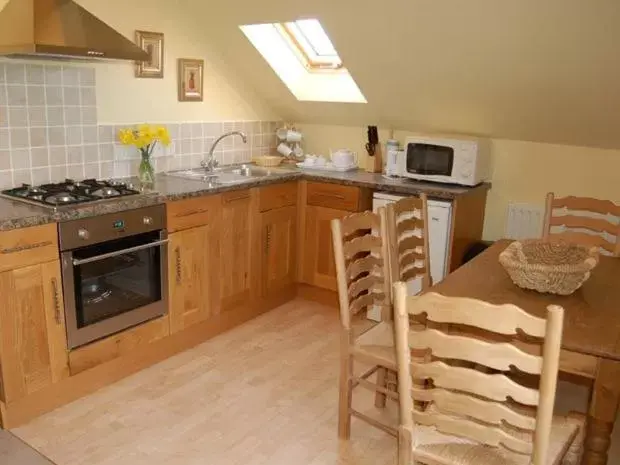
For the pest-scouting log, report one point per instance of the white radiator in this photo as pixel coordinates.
(524, 221)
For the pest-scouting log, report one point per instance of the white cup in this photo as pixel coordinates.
(310, 160)
(293, 136)
(282, 133)
(284, 150)
(344, 158)
(321, 161)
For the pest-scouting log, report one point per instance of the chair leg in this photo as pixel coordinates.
(345, 391)
(382, 381)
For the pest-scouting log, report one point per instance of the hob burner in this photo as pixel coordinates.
(70, 192)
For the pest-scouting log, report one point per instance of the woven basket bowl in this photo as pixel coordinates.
(551, 267)
(268, 160)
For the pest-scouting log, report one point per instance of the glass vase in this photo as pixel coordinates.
(146, 173)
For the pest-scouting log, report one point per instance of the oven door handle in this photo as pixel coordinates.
(116, 253)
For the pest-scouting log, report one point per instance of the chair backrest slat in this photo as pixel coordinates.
(499, 356)
(360, 222)
(489, 435)
(407, 231)
(359, 252)
(464, 398)
(362, 244)
(494, 413)
(571, 202)
(472, 312)
(364, 265)
(583, 220)
(497, 387)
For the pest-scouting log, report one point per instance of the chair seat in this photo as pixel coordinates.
(377, 345)
(565, 447)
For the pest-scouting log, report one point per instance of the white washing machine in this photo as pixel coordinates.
(440, 217)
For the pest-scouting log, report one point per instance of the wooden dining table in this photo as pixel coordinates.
(591, 337)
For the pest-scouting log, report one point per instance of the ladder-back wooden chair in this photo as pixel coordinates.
(474, 417)
(583, 220)
(363, 282)
(408, 238)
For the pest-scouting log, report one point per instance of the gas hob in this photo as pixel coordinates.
(70, 192)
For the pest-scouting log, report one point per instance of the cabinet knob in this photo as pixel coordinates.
(147, 220)
(83, 233)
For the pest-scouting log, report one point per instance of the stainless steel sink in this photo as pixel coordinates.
(226, 175)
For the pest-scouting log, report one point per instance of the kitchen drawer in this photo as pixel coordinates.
(28, 246)
(333, 196)
(190, 213)
(235, 196)
(277, 196)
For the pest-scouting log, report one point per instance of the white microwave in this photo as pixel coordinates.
(465, 162)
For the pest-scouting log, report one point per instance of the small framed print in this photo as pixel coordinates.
(190, 80)
(153, 44)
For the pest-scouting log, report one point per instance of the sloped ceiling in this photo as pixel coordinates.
(536, 70)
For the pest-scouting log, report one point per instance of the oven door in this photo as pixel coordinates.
(430, 160)
(114, 285)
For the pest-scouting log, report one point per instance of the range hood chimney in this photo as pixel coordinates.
(60, 28)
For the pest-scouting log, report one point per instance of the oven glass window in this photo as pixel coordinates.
(109, 286)
(430, 159)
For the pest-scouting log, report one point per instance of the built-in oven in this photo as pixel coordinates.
(114, 272)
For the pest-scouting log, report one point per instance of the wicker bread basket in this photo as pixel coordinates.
(268, 161)
(553, 267)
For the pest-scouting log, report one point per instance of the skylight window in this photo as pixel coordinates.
(303, 56)
(311, 40)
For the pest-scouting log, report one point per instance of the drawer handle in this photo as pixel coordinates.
(192, 212)
(177, 251)
(234, 199)
(21, 248)
(332, 196)
(56, 301)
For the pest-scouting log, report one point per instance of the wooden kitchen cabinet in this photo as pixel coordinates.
(320, 204)
(278, 250)
(319, 267)
(33, 341)
(238, 244)
(193, 261)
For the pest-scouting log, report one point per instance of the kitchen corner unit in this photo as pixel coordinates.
(231, 254)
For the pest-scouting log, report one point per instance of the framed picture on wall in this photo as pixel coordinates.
(153, 44)
(190, 80)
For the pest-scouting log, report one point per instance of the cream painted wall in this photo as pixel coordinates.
(124, 99)
(522, 171)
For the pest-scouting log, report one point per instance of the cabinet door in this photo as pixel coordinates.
(237, 249)
(278, 239)
(193, 261)
(33, 340)
(319, 268)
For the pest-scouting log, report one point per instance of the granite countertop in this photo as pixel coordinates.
(15, 214)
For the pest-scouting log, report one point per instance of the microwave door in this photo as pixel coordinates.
(428, 159)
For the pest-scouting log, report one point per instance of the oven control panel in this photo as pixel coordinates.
(87, 231)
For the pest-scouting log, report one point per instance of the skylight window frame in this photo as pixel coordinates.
(316, 63)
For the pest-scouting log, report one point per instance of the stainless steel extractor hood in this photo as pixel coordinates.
(60, 28)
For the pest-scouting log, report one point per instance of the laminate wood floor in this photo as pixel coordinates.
(264, 393)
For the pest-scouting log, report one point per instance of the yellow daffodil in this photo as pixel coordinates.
(144, 137)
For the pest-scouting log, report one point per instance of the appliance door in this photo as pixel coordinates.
(429, 160)
(114, 285)
(439, 215)
(439, 222)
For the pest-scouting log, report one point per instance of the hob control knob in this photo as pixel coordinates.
(83, 233)
(147, 220)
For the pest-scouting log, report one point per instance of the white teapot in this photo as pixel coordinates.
(343, 158)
